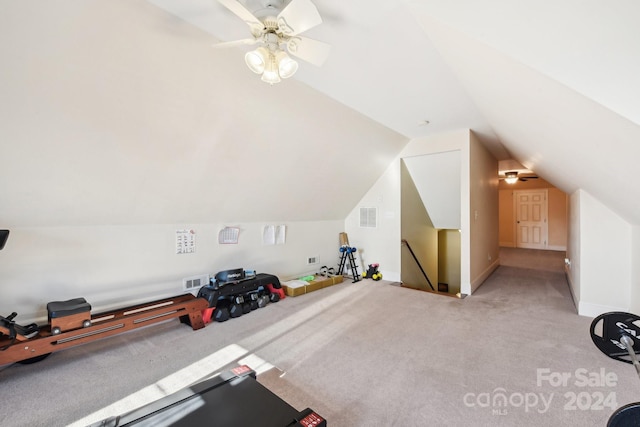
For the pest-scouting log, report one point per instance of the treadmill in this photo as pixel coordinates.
(233, 398)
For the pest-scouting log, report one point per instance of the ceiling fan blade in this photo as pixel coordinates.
(243, 13)
(312, 51)
(242, 42)
(298, 16)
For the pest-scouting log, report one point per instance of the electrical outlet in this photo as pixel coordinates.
(194, 283)
(313, 260)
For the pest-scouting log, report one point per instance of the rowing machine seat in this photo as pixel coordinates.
(67, 308)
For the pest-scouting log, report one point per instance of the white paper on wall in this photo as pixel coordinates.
(281, 234)
(185, 241)
(228, 236)
(269, 235)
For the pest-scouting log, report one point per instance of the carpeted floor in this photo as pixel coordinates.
(363, 354)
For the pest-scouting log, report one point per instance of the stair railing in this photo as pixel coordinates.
(404, 242)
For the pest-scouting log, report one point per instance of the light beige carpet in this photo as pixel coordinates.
(363, 354)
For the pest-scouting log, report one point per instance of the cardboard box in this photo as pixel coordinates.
(315, 285)
(293, 288)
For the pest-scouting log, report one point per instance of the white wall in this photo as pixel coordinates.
(437, 179)
(383, 244)
(635, 269)
(601, 270)
(116, 266)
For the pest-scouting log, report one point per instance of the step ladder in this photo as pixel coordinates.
(347, 252)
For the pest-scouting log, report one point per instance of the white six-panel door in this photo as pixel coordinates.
(531, 218)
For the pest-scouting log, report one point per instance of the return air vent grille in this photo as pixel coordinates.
(193, 284)
(368, 217)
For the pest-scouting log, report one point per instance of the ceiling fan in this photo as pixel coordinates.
(512, 177)
(277, 30)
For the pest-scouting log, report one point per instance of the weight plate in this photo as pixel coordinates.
(626, 416)
(608, 328)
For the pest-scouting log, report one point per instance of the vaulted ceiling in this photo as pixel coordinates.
(121, 112)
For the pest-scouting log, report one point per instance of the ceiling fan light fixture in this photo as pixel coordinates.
(274, 24)
(511, 177)
(257, 60)
(287, 67)
(270, 74)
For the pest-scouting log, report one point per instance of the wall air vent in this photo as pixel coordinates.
(368, 217)
(193, 284)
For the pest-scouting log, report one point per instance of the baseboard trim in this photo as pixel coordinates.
(570, 284)
(479, 280)
(593, 310)
(392, 276)
(586, 308)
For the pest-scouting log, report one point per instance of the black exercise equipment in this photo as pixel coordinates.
(4, 235)
(372, 272)
(263, 300)
(230, 276)
(221, 313)
(616, 335)
(240, 293)
(233, 398)
(347, 255)
(614, 327)
(327, 271)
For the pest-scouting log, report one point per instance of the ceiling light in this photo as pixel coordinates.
(270, 74)
(511, 177)
(287, 67)
(257, 59)
(272, 63)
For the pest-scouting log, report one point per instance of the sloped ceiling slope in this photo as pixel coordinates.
(381, 63)
(119, 112)
(557, 82)
(113, 112)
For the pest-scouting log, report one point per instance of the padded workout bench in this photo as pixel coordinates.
(234, 398)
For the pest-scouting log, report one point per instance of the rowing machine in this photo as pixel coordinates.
(71, 325)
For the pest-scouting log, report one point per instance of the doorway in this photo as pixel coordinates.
(430, 221)
(531, 218)
(543, 222)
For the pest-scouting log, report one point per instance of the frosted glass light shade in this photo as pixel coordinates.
(511, 177)
(257, 59)
(270, 74)
(287, 67)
